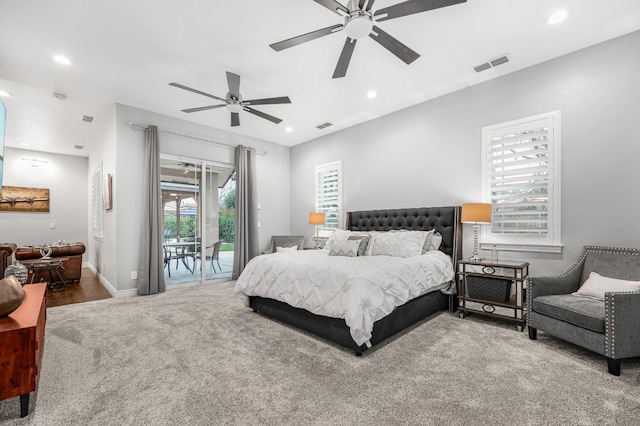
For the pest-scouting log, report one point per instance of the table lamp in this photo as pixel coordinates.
(476, 213)
(316, 219)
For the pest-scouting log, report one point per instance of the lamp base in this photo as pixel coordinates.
(475, 257)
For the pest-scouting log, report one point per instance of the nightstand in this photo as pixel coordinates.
(495, 289)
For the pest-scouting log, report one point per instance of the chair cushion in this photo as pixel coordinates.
(585, 312)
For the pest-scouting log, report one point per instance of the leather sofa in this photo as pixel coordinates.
(6, 256)
(72, 266)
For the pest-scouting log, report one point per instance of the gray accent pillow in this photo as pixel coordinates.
(348, 248)
(364, 243)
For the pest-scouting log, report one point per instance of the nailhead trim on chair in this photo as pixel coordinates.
(609, 335)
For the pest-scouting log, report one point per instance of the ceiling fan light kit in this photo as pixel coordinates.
(359, 22)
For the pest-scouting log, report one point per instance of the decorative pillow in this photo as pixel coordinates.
(399, 244)
(348, 248)
(427, 241)
(596, 285)
(337, 235)
(436, 241)
(364, 243)
(285, 249)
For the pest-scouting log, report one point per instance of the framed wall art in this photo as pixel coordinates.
(22, 199)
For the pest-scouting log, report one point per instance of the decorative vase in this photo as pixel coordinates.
(11, 295)
(45, 251)
(19, 271)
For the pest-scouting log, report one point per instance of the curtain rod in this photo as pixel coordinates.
(140, 126)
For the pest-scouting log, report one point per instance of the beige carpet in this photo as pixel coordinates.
(196, 356)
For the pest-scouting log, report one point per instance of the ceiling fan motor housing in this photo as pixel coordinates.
(233, 104)
(358, 24)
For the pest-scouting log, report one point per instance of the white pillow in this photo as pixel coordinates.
(337, 235)
(285, 249)
(399, 244)
(348, 248)
(596, 285)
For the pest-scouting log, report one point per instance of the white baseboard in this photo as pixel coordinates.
(107, 285)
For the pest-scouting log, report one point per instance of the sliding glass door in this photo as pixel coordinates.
(193, 194)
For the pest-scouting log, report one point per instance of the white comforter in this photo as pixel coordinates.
(359, 289)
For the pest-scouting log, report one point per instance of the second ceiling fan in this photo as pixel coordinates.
(359, 22)
(234, 102)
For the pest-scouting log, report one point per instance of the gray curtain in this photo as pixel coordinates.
(246, 245)
(151, 267)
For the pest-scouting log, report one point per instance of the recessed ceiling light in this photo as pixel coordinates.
(557, 16)
(23, 143)
(5, 94)
(62, 60)
(288, 129)
(371, 94)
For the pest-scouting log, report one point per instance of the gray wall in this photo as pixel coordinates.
(429, 154)
(121, 151)
(66, 178)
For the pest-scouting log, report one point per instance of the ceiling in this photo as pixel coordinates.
(129, 51)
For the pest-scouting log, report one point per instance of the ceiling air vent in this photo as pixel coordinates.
(324, 126)
(87, 119)
(482, 67)
(78, 146)
(491, 63)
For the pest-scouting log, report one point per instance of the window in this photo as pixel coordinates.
(328, 182)
(521, 179)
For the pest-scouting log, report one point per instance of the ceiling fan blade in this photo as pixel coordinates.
(369, 4)
(262, 114)
(294, 41)
(345, 58)
(233, 80)
(333, 6)
(180, 86)
(235, 119)
(204, 108)
(268, 101)
(394, 46)
(412, 6)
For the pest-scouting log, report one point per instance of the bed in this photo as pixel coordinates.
(432, 297)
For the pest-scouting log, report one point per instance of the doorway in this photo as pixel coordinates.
(198, 203)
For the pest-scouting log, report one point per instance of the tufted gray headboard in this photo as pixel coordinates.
(445, 220)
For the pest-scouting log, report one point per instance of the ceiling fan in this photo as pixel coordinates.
(234, 102)
(359, 22)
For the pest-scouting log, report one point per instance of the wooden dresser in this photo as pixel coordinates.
(21, 343)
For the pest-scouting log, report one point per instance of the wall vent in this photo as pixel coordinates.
(87, 119)
(491, 63)
(324, 126)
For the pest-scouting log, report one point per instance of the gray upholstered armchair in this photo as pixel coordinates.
(285, 241)
(610, 327)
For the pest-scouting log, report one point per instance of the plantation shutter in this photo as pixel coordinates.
(519, 170)
(521, 180)
(328, 194)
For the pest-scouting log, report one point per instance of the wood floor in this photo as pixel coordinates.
(87, 289)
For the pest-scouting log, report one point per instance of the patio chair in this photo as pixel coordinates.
(167, 260)
(215, 255)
